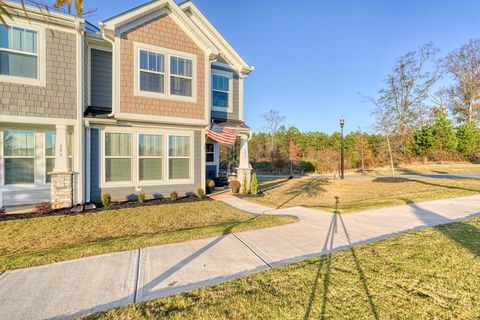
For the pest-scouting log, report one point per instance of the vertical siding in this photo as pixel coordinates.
(95, 166)
(101, 79)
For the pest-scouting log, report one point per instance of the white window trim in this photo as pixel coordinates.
(230, 92)
(41, 58)
(34, 157)
(190, 157)
(135, 182)
(167, 53)
(150, 182)
(105, 157)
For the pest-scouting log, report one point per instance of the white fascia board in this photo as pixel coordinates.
(217, 39)
(127, 21)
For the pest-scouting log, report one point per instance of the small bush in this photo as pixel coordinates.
(200, 193)
(234, 185)
(141, 197)
(244, 186)
(174, 195)
(3, 211)
(43, 208)
(106, 199)
(254, 185)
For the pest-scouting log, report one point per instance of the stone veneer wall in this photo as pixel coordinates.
(62, 190)
(58, 99)
(162, 32)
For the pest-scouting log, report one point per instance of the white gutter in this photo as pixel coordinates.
(106, 38)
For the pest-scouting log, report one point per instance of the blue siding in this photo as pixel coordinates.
(95, 165)
(101, 79)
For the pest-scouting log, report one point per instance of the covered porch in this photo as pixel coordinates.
(228, 134)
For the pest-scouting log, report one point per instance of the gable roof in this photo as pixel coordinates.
(215, 37)
(168, 6)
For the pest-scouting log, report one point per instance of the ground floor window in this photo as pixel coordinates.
(19, 156)
(150, 162)
(118, 157)
(179, 157)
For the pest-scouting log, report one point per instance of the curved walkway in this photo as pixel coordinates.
(73, 288)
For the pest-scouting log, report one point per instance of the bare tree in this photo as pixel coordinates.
(272, 123)
(401, 106)
(463, 64)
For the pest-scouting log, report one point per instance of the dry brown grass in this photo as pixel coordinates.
(360, 194)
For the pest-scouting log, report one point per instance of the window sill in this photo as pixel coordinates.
(23, 81)
(222, 109)
(155, 95)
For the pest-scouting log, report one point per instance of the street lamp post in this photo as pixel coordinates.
(342, 152)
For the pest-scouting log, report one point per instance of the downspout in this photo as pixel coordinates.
(112, 43)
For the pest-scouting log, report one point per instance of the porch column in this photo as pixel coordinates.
(244, 170)
(62, 177)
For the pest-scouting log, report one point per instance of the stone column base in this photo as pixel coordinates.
(62, 190)
(244, 173)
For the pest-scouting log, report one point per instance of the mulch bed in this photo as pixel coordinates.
(112, 206)
(391, 180)
(241, 196)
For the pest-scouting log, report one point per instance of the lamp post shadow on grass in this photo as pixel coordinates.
(327, 261)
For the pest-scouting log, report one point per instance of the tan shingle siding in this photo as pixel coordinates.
(161, 32)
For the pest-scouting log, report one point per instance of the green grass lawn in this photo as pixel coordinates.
(429, 274)
(359, 194)
(32, 242)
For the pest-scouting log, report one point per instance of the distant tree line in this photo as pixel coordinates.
(411, 123)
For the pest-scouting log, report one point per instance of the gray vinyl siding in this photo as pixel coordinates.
(235, 115)
(85, 75)
(127, 193)
(101, 79)
(58, 99)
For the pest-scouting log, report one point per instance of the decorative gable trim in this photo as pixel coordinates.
(142, 14)
(215, 37)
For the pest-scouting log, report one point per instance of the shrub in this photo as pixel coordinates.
(141, 197)
(174, 195)
(200, 193)
(3, 211)
(244, 186)
(254, 185)
(106, 199)
(43, 208)
(234, 185)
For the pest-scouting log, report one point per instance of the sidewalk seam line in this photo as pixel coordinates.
(253, 251)
(137, 277)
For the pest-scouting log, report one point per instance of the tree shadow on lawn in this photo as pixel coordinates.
(310, 188)
(465, 234)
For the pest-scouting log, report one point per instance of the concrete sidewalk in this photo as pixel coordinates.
(73, 288)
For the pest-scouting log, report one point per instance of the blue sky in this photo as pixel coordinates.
(313, 58)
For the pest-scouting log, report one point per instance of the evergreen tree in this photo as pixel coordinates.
(444, 133)
(468, 139)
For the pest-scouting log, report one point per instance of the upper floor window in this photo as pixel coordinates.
(181, 76)
(152, 71)
(222, 91)
(18, 52)
(165, 73)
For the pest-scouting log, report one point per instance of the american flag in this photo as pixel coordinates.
(222, 135)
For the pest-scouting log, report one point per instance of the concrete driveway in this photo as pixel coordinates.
(73, 288)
